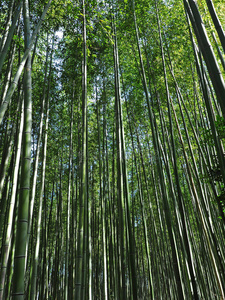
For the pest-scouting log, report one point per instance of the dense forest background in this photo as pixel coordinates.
(112, 131)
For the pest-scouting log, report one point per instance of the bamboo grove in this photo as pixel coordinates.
(112, 172)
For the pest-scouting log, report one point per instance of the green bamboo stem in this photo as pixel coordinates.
(217, 23)
(207, 51)
(7, 244)
(7, 25)
(34, 182)
(27, 52)
(102, 201)
(8, 40)
(23, 207)
(83, 192)
(33, 291)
